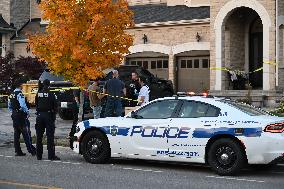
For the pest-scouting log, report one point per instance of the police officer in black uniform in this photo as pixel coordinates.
(46, 107)
(132, 89)
(19, 108)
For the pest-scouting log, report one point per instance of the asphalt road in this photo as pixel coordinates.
(73, 172)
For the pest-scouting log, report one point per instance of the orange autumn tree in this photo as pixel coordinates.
(83, 37)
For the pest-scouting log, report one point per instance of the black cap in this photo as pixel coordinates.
(46, 83)
(18, 82)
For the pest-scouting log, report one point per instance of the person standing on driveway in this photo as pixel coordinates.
(20, 112)
(143, 97)
(46, 107)
(75, 111)
(133, 89)
(95, 99)
(115, 89)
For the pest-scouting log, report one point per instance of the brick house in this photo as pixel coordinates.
(182, 39)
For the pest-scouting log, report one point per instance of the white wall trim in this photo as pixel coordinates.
(150, 48)
(218, 24)
(191, 46)
(172, 23)
(158, 48)
(198, 5)
(20, 41)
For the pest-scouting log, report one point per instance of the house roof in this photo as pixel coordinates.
(142, 14)
(164, 13)
(4, 25)
(31, 27)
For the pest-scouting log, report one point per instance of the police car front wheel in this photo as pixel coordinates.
(226, 157)
(95, 147)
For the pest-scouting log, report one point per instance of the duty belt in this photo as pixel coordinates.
(49, 111)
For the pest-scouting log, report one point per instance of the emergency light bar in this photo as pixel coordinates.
(193, 94)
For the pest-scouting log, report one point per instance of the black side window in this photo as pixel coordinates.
(193, 109)
(158, 110)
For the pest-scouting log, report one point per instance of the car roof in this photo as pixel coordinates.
(195, 98)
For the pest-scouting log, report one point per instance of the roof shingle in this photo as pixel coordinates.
(164, 13)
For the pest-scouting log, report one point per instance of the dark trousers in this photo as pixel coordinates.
(21, 125)
(75, 112)
(113, 107)
(45, 121)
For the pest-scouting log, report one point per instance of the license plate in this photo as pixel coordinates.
(63, 104)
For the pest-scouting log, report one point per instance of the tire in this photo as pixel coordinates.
(101, 151)
(65, 115)
(226, 157)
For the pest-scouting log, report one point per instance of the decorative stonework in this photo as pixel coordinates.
(221, 18)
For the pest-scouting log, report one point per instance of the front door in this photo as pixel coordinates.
(192, 117)
(149, 130)
(256, 55)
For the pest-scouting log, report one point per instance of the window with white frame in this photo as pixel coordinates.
(194, 62)
(151, 64)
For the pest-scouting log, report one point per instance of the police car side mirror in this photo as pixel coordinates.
(133, 115)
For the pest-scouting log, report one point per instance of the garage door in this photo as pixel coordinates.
(157, 66)
(193, 74)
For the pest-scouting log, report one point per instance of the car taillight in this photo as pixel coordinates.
(275, 128)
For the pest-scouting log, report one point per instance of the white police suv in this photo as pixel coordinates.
(225, 134)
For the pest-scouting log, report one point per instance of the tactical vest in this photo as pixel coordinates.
(45, 101)
(15, 105)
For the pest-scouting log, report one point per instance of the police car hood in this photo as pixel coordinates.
(108, 121)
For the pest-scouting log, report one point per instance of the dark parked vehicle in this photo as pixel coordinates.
(65, 98)
(159, 87)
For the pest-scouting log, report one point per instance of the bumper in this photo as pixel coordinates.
(269, 148)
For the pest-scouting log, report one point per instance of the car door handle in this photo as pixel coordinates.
(208, 125)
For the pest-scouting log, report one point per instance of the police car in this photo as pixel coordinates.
(225, 134)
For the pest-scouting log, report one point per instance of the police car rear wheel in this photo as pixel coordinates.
(95, 147)
(226, 157)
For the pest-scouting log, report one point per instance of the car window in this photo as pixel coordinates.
(192, 109)
(158, 110)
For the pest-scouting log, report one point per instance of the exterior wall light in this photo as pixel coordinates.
(145, 39)
(198, 37)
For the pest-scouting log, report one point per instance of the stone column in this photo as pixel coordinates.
(267, 68)
(172, 69)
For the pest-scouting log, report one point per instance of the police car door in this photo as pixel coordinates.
(185, 146)
(148, 132)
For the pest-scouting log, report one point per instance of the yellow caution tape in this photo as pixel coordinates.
(270, 62)
(105, 94)
(222, 69)
(70, 88)
(257, 70)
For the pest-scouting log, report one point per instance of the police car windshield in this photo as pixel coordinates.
(246, 108)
